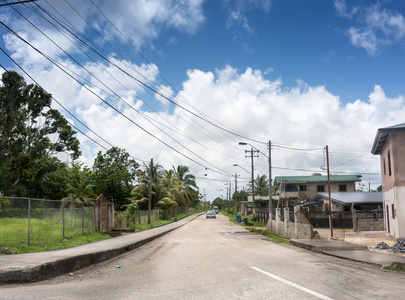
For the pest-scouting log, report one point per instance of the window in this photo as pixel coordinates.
(393, 211)
(291, 188)
(389, 163)
(321, 188)
(303, 188)
(342, 187)
(385, 172)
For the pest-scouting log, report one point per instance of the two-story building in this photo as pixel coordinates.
(305, 187)
(389, 143)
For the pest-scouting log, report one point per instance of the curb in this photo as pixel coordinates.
(73, 263)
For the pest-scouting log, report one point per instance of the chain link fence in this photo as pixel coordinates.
(123, 220)
(26, 220)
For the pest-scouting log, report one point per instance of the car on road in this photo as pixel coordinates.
(210, 215)
(216, 209)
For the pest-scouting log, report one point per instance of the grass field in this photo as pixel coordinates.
(45, 234)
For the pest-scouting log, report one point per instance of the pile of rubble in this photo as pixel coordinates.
(398, 247)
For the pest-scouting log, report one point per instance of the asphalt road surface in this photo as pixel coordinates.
(216, 259)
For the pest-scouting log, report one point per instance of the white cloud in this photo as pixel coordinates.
(149, 18)
(237, 13)
(242, 101)
(376, 26)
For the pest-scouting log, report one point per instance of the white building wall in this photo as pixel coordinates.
(394, 211)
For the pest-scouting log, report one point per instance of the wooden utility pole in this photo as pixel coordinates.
(330, 199)
(270, 188)
(236, 193)
(150, 189)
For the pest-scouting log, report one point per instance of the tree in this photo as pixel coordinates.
(31, 134)
(217, 202)
(188, 186)
(261, 186)
(114, 175)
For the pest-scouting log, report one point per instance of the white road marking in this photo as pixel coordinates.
(293, 284)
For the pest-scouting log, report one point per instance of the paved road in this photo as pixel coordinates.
(212, 259)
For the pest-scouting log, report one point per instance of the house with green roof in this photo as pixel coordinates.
(304, 188)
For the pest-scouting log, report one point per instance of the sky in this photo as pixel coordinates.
(183, 82)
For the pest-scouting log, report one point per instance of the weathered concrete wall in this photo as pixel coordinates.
(370, 225)
(296, 229)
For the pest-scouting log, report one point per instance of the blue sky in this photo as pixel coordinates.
(306, 40)
(303, 74)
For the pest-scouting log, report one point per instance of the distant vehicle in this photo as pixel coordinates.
(210, 215)
(216, 209)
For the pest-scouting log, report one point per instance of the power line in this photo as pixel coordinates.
(108, 104)
(19, 2)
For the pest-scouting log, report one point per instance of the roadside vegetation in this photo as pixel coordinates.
(157, 223)
(259, 228)
(48, 243)
(47, 240)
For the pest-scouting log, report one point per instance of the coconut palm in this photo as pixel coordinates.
(261, 186)
(80, 191)
(187, 185)
(140, 193)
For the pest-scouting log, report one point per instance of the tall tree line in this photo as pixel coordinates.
(32, 133)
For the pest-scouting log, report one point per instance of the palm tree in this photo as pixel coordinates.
(261, 186)
(80, 191)
(187, 185)
(140, 193)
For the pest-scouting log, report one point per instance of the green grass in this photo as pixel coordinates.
(274, 237)
(140, 227)
(45, 234)
(256, 229)
(48, 245)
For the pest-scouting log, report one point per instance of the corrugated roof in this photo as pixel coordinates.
(382, 135)
(323, 178)
(349, 198)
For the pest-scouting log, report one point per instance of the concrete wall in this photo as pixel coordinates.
(394, 211)
(295, 229)
(395, 145)
(394, 183)
(370, 225)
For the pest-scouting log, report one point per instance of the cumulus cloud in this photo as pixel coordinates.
(219, 107)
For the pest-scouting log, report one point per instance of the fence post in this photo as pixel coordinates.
(278, 219)
(286, 218)
(296, 209)
(63, 219)
(29, 220)
(82, 218)
(354, 219)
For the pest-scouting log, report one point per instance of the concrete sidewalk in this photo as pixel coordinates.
(37, 266)
(351, 251)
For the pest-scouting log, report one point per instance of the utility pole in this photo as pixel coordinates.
(270, 188)
(253, 177)
(330, 198)
(150, 189)
(236, 193)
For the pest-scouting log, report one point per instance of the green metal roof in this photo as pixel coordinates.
(323, 178)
